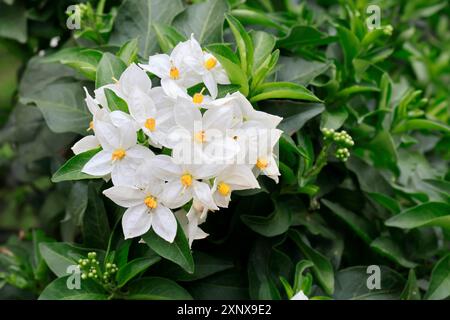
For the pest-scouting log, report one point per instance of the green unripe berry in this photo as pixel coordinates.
(83, 276)
(108, 265)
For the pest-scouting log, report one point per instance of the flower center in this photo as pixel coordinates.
(118, 154)
(261, 163)
(223, 188)
(174, 73)
(210, 63)
(150, 124)
(200, 136)
(186, 180)
(197, 98)
(151, 202)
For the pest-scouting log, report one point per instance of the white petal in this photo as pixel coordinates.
(136, 221)
(241, 177)
(134, 78)
(164, 168)
(210, 83)
(158, 64)
(123, 172)
(85, 144)
(91, 103)
(128, 136)
(173, 88)
(141, 106)
(218, 118)
(299, 296)
(202, 193)
(107, 134)
(188, 117)
(175, 196)
(125, 196)
(140, 152)
(99, 165)
(164, 223)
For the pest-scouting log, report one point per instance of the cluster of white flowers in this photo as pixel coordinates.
(209, 146)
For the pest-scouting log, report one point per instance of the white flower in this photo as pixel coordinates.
(265, 160)
(145, 209)
(175, 75)
(201, 138)
(300, 296)
(132, 79)
(207, 66)
(190, 224)
(184, 181)
(236, 177)
(120, 155)
(156, 122)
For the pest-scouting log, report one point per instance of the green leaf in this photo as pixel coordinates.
(59, 290)
(205, 265)
(178, 251)
(60, 255)
(71, 170)
(230, 63)
(95, 228)
(439, 287)
(115, 102)
(424, 215)
(283, 90)
(77, 202)
(135, 19)
(13, 21)
(83, 60)
(62, 104)
(133, 268)
(350, 45)
(299, 278)
(109, 68)
(204, 20)
(154, 288)
(358, 224)
(261, 285)
(351, 284)
(304, 36)
(129, 52)
(411, 290)
(333, 118)
(223, 286)
(253, 17)
(323, 270)
(299, 70)
(278, 222)
(389, 248)
(168, 37)
(243, 42)
(421, 124)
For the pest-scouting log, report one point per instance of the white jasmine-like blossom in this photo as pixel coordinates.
(205, 65)
(300, 296)
(237, 177)
(184, 182)
(190, 223)
(145, 208)
(132, 79)
(156, 122)
(175, 75)
(210, 146)
(120, 154)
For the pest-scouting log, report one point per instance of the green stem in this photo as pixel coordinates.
(100, 7)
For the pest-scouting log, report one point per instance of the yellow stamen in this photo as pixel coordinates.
(210, 63)
(198, 97)
(151, 202)
(186, 180)
(150, 124)
(223, 188)
(118, 154)
(115, 80)
(174, 73)
(200, 136)
(91, 126)
(261, 163)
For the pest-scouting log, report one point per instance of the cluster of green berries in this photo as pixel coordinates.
(342, 140)
(90, 268)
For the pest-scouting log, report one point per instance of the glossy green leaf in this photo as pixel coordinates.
(71, 170)
(424, 215)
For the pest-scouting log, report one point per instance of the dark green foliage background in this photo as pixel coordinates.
(313, 63)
